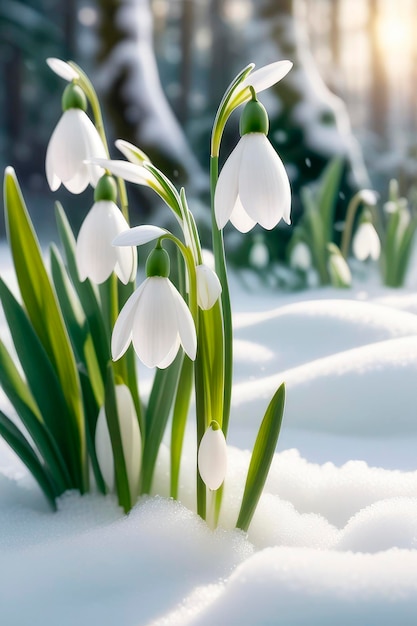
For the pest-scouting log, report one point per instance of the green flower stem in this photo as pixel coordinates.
(220, 261)
(179, 419)
(347, 231)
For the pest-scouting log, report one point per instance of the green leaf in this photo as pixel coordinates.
(43, 311)
(121, 477)
(313, 224)
(159, 407)
(179, 420)
(327, 194)
(77, 325)
(404, 250)
(19, 444)
(19, 395)
(91, 410)
(391, 249)
(43, 381)
(262, 455)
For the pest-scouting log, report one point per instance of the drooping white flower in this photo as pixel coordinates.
(366, 242)
(259, 254)
(253, 186)
(300, 257)
(212, 457)
(74, 142)
(157, 320)
(339, 271)
(131, 442)
(208, 287)
(96, 257)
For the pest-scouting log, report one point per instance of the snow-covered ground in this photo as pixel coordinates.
(334, 539)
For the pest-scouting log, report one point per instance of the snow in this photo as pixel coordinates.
(334, 538)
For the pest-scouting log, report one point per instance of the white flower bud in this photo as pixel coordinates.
(300, 258)
(208, 287)
(212, 457)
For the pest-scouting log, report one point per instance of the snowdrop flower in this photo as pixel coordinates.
(259, 253)
(366, 242)
(131, 442)
(253, 186)
(96, 257)
(208, 287)
(212, 456)
(155, 318)
(300, 257)
(339, 271)
(74, 142)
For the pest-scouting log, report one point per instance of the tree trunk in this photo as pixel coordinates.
(135, 100)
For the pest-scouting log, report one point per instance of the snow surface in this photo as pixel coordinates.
(334, 539)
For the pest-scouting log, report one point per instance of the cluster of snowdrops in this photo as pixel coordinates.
(79, 327)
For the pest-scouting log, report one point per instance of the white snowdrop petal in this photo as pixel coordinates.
(268, 75)
(366, 242)
(155, 327)
(122, 331)
(240, 219)
(208, 287)
(104, 450)
(185, 324)
(212, 458)
(128, 171)
(131, 437)
(62, 69)
(227, 187)
(96, 257)
(301, 257)
(63, 155)
(264, 188)
(139, 235)
(167, 360)
(126, 264)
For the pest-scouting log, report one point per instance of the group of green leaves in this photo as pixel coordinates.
(60, 330)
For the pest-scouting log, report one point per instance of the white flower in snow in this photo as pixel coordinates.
(339, 271)
(212, 456)
(208, 287)
(96, 257)
(155, 318)
(253, 186)
(366, 242)
(131, 442)
(300, 257)
(74, 141)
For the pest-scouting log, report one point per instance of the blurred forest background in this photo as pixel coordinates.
(161, 67)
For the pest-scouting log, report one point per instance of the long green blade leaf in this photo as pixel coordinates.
(19, 395)
(327, 194)
(262, 455)
(43, 311)
(42, 380)
(19, 444)
(160, 402)
(121, 477)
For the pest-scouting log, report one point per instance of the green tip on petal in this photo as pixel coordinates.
(74, 98)
(158, 263)
(214, 425)
(254, 118)
(106, 189)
